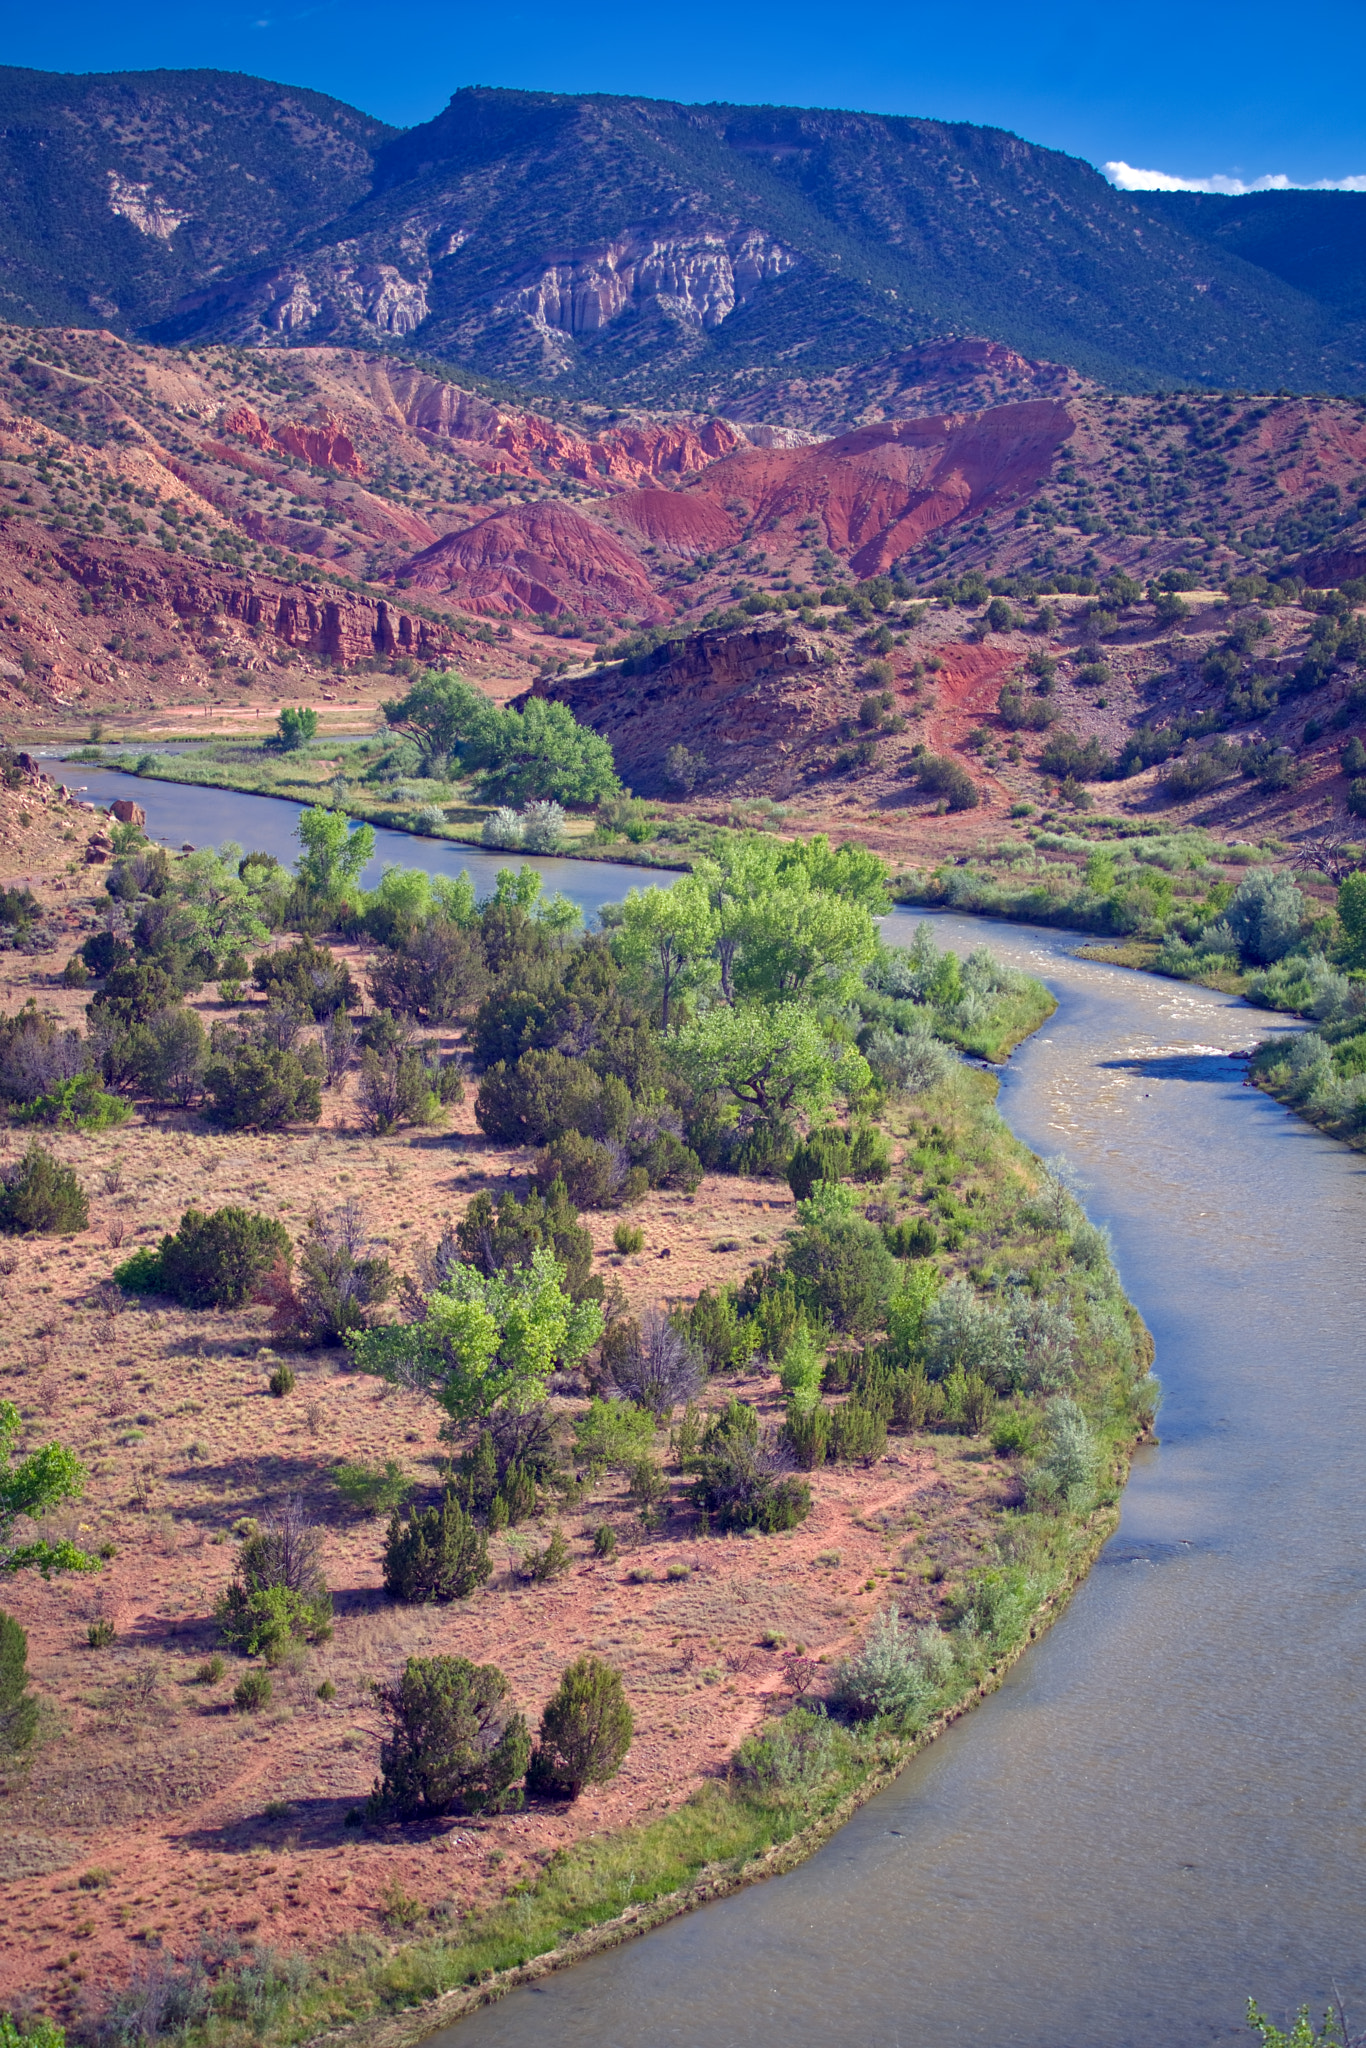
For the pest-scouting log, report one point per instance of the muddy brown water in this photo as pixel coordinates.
(1163, 1809)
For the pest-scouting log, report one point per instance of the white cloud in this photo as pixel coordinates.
(1129, 179)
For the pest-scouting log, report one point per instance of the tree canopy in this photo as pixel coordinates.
(487, 1338)
(42, 1481)
(336, 851)
(441, 714)
(541, 753)
(779, 1060)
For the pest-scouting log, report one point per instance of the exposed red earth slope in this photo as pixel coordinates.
(324, 445)
(541, 558)
(875, 493)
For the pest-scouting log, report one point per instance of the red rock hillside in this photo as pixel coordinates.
(540, 558)
(876, 492)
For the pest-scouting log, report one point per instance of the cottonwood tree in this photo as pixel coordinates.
(42, 1481)
(774, 1061)
(336, 851)
(669, 935)
(486, 1339)
(441, 714)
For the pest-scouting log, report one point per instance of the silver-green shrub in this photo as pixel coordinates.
(898, 1672)
(1065, 1476)
(794, 1753)
(542, 827)
(502, 827)
(908, 1062)
(963, 1330)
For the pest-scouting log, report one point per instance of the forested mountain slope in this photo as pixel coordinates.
(637, 250)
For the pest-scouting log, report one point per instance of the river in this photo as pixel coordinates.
(1161, 1811)
(181, 813)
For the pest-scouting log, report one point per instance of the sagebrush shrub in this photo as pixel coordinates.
(1065, 1475)
(454, 1742)
(897, 1672)
(963, 1331)
(791, 1755)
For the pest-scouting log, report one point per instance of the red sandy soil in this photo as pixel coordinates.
(149, 1785)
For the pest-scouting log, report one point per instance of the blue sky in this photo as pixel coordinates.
(1242, 92)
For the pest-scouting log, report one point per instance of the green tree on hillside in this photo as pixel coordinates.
(541, 753)
(42, 1481)
(669, 935)
(487, 1338)
(774, 1061)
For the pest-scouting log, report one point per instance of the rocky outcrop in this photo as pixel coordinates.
(699, 277)
(325, 445)
(341, 625)
(541, 558)
(1327, 567)
(315, 302)
(751, 701)
(139, 204)
(529, 444)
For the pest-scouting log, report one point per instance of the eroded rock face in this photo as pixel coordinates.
(315, 301)
(140, 205)
(342, 626)
(748, 700)
(539, 558)
(528, 444)
(701, 276)
(326, 444)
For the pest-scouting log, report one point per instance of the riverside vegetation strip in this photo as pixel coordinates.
(921, 1398)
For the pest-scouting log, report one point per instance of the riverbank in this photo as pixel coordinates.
(435, 811)
(195, 1811)
(730, 1841)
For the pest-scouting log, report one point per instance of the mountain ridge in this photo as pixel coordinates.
(638, 251)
